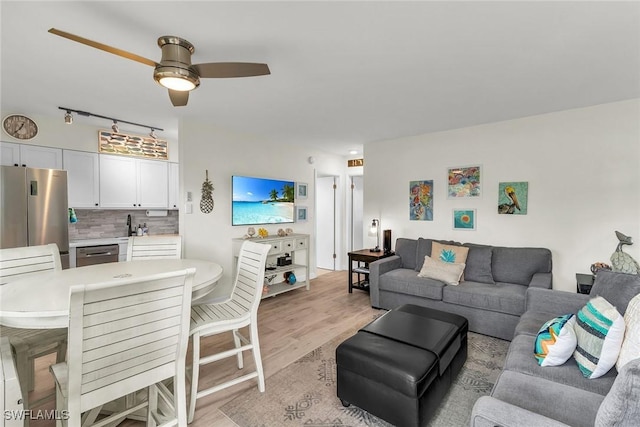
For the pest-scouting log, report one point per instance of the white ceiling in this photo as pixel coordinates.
(343, 73)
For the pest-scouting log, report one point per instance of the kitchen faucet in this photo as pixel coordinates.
(130, 231)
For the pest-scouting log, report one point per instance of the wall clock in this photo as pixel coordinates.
(20, 127)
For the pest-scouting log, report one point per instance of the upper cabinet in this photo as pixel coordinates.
(83, 177)
(133, 183)
(31, 156)
(174, 185)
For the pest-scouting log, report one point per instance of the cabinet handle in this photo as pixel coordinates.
(95, 204)
(15, 164)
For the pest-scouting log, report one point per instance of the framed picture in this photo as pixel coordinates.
(301, 192)
(512, 198)
(421, 200)
(464, 219)
(463, 182)
(301, 213)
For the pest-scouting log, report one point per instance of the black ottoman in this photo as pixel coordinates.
(400, 366)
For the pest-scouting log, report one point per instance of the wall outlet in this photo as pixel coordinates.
(188, 208)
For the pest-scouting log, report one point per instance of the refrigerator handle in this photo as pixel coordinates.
(34, 188)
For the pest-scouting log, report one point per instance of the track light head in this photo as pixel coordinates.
(152, 134)
(114, 127)
(68, 118)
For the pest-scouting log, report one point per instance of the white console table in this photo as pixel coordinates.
(297, 246)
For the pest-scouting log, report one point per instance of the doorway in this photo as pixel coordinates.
(326, 222)
(356, 241)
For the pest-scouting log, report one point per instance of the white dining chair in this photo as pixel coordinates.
(30, 344)
(154, 247)
(126, 335)
(10, 393)
(240, 310)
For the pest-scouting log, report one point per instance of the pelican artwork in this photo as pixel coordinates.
(621, 261)
(509, 208)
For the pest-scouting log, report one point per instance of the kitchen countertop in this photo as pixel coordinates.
(96, 242)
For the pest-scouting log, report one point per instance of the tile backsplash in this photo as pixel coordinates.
(98, 223)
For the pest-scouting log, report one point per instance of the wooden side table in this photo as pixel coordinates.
(584, 282)
(362, 258)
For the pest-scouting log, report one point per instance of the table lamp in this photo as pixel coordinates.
(375, 229)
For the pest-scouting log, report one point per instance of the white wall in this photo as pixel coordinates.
(204, 146)
(583, 169)
(82, 135)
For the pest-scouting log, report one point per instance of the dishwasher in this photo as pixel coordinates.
(101, 254)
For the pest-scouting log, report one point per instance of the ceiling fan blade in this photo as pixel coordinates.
(104, 47)
(231, 69)
(179, 98)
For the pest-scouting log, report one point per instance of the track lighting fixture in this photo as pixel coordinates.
(68, 119)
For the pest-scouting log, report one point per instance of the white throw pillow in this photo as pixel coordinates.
(447, 272)
(631, 343)
(556, 341)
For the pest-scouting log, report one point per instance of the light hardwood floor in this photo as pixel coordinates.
(290, 325)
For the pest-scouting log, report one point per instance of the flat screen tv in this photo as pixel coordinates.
(261, 201)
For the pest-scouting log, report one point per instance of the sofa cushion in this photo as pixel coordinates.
(520, 359)
(572, 406)
(518, 265)
(405, 281)
(631, 343)
(406, 250)
(621, 406)
(447, 272)
(600, 330)
(501, 297)
(556, 341)
(449, 253)
(478, 267)
(424, 249)
(617, 288)
(531, 321)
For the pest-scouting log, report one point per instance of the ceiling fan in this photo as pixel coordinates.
(175, 70)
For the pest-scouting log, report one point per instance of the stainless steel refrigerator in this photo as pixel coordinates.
(34, 209)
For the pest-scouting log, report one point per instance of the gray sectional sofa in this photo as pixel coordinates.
(529, 395)
(492, 295)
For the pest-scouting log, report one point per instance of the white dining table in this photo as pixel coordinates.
(41, 301)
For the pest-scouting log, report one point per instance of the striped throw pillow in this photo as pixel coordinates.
(599, 330)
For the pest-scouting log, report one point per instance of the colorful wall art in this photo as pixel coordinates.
(464, 219)
(421, 200)
(464, 182)
(512, 198)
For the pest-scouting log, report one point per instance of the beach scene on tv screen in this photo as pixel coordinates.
(262, 201)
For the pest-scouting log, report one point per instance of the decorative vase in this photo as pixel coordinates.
(251, 231)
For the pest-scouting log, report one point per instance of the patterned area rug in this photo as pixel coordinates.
(304, 393)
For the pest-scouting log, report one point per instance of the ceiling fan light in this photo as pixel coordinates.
(176, 78)
(177, 83)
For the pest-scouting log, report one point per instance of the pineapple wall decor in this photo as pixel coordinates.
(206, 201)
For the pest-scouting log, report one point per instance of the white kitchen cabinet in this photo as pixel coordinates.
(31, 156)
(153, 183)
(133, 183)
(174, 185)
(9, 154)
(83, 178)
